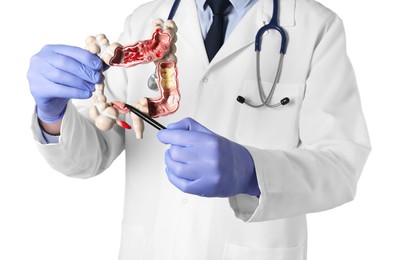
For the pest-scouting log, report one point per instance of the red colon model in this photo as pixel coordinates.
(159, 49)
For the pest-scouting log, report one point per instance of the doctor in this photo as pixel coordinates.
(233, 182)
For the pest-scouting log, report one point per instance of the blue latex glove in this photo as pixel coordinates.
(58, 73)
(203, 163)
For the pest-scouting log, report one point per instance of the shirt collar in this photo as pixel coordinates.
(238, 5)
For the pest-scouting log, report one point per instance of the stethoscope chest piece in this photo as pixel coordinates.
(152, 82)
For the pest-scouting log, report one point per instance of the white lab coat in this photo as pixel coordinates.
(308, 155)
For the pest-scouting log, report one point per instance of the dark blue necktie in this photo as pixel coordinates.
(216, 34)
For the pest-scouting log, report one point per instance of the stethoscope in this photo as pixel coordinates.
(272, 25)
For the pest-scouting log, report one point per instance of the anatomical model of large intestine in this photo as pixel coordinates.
(160, 49)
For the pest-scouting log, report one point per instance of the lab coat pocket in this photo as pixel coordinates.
(240, 252)
(133, 242)
(272, 128)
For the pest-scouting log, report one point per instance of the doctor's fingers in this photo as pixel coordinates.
(59, 76)
(189, 124)
(197, 187)
(81, 55)
(181, 169)
(186, 154)
(182, 137)
(43, 88)
(178, 182)
(74, 60)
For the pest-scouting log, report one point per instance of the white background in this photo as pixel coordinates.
(45, 215)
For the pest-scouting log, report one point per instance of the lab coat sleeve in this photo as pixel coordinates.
(323, 171)
(83, 151)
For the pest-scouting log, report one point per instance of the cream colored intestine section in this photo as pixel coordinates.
(137, 122)
(101, 112)
(168, 78)
(101, 46)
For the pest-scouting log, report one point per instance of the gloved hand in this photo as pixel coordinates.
(203, 163)
(58, 73)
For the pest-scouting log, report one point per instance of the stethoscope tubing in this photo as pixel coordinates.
(272, 25)
(265, 101)
(173, 9)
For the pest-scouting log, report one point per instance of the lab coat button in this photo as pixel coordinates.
(184, 200)
(205, 80)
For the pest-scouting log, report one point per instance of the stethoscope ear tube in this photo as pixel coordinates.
(282, 102)
(173, 9)
(240, 99)
(285, 101)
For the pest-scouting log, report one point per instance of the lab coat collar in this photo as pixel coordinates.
(189, 29)
(237, 4)
(244, 34)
